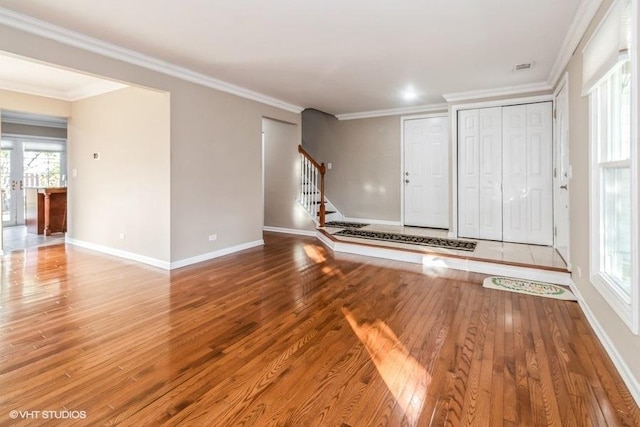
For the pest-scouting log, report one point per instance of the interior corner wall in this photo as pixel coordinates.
(626, 344)
(216, 148)
(121, 200)
(282, 177)
(365, 154)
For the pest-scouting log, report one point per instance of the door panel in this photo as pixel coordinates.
(426, 170)
(527, 174)
(539, 174)
(490, 173)
(468, 176)
(514, 168)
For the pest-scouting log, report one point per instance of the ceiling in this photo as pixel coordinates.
(338, 56)
(20, 75)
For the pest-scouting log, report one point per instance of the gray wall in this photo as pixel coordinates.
(365, 154)
(282, 177)
(626, 343)
(216, 147)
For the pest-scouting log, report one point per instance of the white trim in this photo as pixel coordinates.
(623, 369)
(627, 307)
(402, 165)
(581, 20)
(392, 112)
(289, 231)
(501, 91)
(453, 226)
(635, 176)
(119, 253)
(215, 254)
(564, 82)
(53, 32)
(372, 221)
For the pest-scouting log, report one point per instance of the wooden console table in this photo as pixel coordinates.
(46, 210)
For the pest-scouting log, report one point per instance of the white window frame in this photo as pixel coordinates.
(626, 306)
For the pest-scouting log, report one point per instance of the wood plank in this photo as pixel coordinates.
(290, 333)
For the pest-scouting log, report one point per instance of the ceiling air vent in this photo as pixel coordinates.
(523, 67)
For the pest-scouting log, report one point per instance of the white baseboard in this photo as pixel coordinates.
(311, 233)
(215, 254)
(158, 263)
(119, 253)
(629, 379)
(371, 221)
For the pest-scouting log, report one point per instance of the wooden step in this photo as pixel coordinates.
(326, 213)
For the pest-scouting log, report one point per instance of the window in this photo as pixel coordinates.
(608, 76)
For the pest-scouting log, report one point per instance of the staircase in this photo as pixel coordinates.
(312, 196)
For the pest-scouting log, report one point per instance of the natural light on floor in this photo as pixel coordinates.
(405, 378)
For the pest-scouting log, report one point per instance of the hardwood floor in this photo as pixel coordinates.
(291, 334)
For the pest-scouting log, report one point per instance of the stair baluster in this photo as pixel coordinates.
(312, 186)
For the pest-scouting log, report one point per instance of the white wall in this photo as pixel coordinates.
(126, 190)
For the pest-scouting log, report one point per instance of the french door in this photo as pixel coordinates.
(11, 182)
(28, 162)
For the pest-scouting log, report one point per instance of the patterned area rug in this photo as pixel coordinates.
(460, 245)
(342, 224)
(529, 287)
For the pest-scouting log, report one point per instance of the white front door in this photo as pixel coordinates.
(561, 173)
(426, 172)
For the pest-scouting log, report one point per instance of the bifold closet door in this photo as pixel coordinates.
(480, 173)
(527, 173)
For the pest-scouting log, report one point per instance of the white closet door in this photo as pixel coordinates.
(514, 169)
(527, 174)
(468, 174)
(479, 173)
(490, 173)
(540, 174)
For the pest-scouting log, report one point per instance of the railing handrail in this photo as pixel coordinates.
(320, 167)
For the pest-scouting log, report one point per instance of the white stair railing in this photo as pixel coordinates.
(312, 186)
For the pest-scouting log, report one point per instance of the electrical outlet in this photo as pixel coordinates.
(213, 237)
(96, 156)
(122, 236)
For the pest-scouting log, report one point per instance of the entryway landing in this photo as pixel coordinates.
(490, 257)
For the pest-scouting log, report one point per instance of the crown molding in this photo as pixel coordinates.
(501, 91)
(75, 39)
(581, 20)
(393, 112)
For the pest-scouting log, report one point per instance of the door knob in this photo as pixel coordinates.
(406, 180)
(563, 187)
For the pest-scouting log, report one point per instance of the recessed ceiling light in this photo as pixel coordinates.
(524, 66)
(409, 94)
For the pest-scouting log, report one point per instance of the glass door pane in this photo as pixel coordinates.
(6, 180)
(11, 182)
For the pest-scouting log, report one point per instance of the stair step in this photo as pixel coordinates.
(326, 213)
